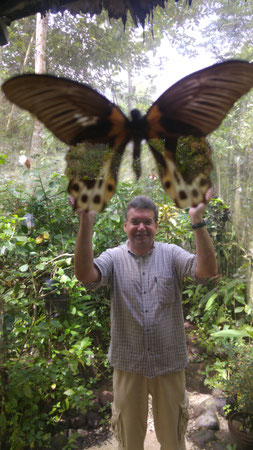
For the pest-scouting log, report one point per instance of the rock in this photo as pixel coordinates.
(207, 406)
(193, 345)
(79, 421)
(207, 420)
(201, 438)
(217, 446)
(96, 405)
(93, 419)
(189, 326)
(104, 397)
(220, 403)
(217, 393)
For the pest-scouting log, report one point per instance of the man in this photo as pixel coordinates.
(148, 349)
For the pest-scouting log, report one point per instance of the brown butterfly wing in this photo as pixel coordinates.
(74, 112)
(197, 104)
(93, 173)
(193, 107)
(185, 176)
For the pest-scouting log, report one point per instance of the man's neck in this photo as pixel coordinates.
(140, 251)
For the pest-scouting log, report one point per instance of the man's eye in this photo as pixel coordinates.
(145, 222)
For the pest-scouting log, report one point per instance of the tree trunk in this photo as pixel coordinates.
(237, 200)
(28, 51)
(40, 67)
(130, 91)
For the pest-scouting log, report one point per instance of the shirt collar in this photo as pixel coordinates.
(139, 256)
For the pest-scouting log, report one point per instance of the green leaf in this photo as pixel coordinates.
(249, 330)
(173, 221)
(210, 301)
(115, 218)
(3, 421)
(69, 392)
(3, 159)
(27, 391)
(40, 266)
(239, 309)
(230, 333)
(23, 268)
(21, 238)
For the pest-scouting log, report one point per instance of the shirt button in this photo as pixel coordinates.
(144, 292)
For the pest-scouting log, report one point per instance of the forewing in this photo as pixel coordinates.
(185, 176)
(197, 104)
(74, 112)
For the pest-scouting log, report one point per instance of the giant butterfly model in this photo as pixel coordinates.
(174, 127)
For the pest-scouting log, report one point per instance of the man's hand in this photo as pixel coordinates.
(86, 217)
(196, 213)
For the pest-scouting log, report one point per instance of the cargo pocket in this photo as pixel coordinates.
(183, 418)
(116, 425)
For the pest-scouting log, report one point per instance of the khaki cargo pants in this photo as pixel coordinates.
(130, 409)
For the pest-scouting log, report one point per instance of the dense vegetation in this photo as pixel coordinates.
(55, 333)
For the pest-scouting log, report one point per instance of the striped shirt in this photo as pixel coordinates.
(147, 323)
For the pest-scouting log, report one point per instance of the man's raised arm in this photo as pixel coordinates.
(85, 270)
(206, 259)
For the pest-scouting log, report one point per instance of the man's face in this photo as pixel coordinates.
(140, 228)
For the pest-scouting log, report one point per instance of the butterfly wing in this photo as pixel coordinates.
(186, 178)
(197, 104)
(93, 173)
(193, 107)
(73, 111)
(76, 113)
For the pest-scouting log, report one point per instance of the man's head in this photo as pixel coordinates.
(142, 202)
(141, 224)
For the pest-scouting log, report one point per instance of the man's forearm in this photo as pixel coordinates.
(84, 264)
(206, 258)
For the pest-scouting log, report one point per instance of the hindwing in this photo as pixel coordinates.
(93, 173)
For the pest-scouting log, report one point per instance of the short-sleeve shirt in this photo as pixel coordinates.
(147, 323)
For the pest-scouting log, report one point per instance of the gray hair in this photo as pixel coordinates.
(142, 202)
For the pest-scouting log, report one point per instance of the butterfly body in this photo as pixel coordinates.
(174, 127)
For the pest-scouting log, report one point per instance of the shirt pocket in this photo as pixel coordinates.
(165, 289)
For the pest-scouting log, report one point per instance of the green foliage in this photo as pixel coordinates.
(52, 335)
(55, 335)
(223, 305)
(234, 374)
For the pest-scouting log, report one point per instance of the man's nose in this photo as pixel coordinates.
(141, 226)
